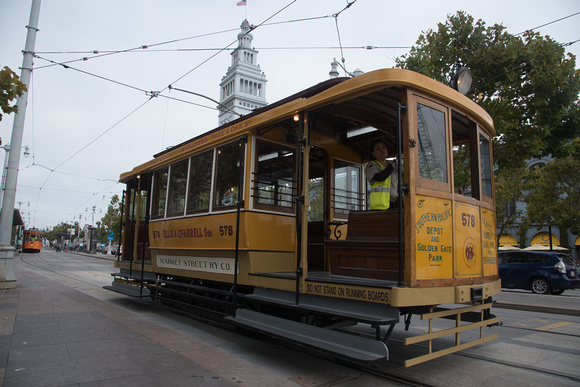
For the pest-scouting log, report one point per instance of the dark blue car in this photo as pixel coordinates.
(539, 271)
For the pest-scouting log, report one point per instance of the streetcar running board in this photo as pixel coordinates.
(370, 313)
(338, 343)
(128, 290)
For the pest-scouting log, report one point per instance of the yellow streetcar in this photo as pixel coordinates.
(265, 223)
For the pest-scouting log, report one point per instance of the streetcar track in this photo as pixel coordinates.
(60, 273)
(536, 330)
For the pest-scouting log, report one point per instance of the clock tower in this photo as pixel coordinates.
(243, 88)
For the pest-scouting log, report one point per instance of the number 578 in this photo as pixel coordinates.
(467, 220)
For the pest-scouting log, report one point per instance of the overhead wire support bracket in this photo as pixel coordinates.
(152, 94)
(335, 16)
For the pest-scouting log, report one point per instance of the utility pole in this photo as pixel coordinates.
(7, 277)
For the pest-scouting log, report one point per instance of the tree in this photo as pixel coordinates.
(58, 231)
(553, 196)
(509, 191)
(10, 89)
(111, 222)
(527, 84)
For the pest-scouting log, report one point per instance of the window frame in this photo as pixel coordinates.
(424, 182)
(207, 153)
(361, 189)
(216, 165)
(254, 187)
(483, 196)
(171, 191)
(156, 197)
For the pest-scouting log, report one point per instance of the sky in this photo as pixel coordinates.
(87, 124)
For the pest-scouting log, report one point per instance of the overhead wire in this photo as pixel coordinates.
(62, 190)
(64, 173)
(547, 24)
(99, 54)
(258, 48)
(90, 74)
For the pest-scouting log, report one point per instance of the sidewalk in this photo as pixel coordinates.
(54, 335)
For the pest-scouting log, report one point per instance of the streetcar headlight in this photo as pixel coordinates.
(461, 80)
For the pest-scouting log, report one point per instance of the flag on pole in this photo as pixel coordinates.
(241, 2)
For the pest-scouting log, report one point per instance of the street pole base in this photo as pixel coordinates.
(7, 277)
(5, 284)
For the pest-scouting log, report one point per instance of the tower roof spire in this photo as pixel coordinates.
(243, 88)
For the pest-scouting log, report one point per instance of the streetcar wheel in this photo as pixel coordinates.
(557, 292)
(540, 286)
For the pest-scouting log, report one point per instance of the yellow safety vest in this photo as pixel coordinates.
(380, 192)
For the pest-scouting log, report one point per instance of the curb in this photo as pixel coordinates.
(536, 308)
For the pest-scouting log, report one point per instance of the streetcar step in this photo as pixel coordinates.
(338, 343)
(135, 274)
(376, 314)
(128, 290)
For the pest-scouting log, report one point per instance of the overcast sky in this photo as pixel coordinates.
(84, 130)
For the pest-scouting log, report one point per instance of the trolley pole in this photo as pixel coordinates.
(7, 277)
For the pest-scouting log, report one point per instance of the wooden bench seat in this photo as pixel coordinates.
(371, 247)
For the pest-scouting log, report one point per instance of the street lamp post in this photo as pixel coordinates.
(7, 277)
(6, 154)
(93, 210)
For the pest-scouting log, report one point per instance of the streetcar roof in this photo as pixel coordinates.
(334, 90)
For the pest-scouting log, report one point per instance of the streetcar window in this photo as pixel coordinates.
(274, 183)
(432, 143)
(465, 172)
(198, 195)
(159, 193)
(346, 193)
(177, 185)
(142, 204)
(486, 167)
(316, 199)
(316, 185)
(227, 176)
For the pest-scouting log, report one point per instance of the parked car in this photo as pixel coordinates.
(539, 271)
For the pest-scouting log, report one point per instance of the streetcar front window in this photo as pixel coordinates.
(227, 176)
(432, 143)
(465, 174)
(486, 167)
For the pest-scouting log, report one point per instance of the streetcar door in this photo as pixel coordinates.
(135, 241)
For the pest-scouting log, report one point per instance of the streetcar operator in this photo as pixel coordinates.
(382, 176)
